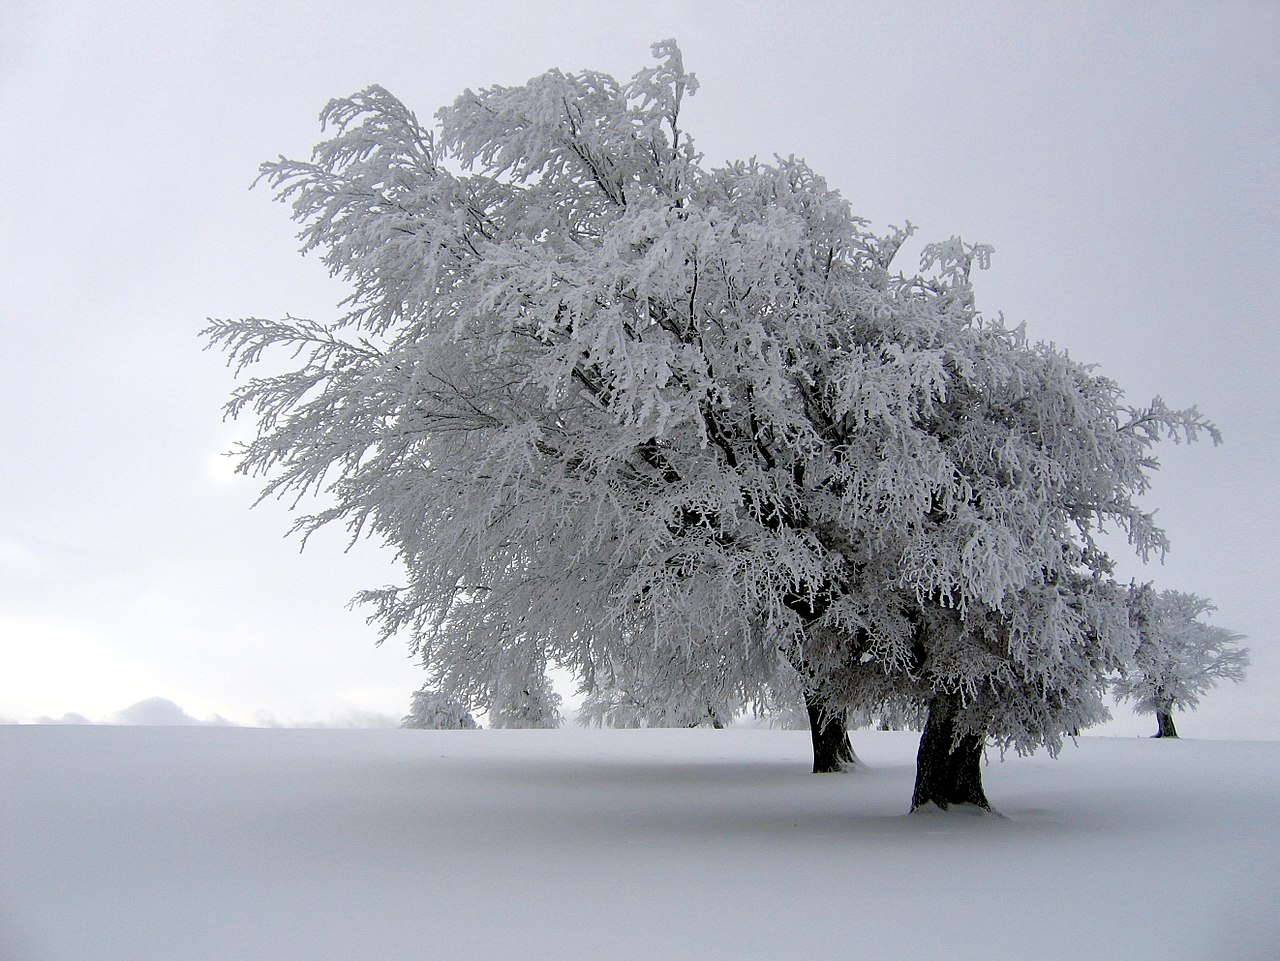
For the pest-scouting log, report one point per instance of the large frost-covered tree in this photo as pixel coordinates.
(622, 412)
(1179, 657)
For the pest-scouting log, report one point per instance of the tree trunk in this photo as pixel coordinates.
(832, 751)
(1165, 721)
(948, 771)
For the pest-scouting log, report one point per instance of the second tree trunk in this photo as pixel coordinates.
(832, 751)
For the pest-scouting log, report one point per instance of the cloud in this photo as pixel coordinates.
(151, 712)
(351, 717)
(69, 718)
(161, 712)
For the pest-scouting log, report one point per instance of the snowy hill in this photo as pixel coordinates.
(225, 844)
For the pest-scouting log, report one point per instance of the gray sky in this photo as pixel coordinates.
(1120, 158)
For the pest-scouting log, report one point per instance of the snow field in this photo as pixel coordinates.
(226, 844)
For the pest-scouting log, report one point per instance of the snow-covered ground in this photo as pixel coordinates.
(232, 844)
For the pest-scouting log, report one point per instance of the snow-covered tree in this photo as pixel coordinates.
(612, 407)
(1179, 657)
(434, 710)
(643, 688)
(532, 397)
(1018, 618)
(619, 707)
(521, 694)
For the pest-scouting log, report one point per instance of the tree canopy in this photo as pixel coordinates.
(642, 418)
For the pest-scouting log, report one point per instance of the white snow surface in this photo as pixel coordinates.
(232, 844)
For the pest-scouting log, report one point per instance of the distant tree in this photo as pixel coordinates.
(611, 407)
(521, 695)
(657, 689)
(618, 707)
(434, 710)
(1179, 657)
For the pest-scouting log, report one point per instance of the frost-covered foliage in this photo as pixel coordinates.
(1179, 657)
(434, 710)
(683, 430)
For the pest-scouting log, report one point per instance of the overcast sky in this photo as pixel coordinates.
(1121, 158)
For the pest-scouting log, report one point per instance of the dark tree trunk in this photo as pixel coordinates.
(832, 751)
(948, 771)
(1165, 721)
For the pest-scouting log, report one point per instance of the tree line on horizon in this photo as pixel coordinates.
(1179, 657)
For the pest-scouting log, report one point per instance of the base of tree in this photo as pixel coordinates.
(832, 750)
(1165, 722)
(957, 810)
(948, 769)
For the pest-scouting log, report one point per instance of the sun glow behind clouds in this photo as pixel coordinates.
(42, 654)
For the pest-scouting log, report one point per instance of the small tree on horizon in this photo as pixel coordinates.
(434, 710)
(524, 703)
(518, 693)
(1179, 657)
(646, 688)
